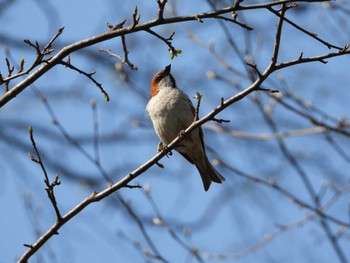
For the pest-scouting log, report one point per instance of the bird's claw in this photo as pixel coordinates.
(162, 147)
(182, 135)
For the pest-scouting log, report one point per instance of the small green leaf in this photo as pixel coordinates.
(175, 52)
(198, 95)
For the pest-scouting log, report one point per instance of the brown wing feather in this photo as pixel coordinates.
(201, 135)
(186, 157)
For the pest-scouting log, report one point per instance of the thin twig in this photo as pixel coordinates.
(161, 6)
(135, 17)
(273, 185)
(314, 121)
(278, 36)
(49, 186)
(126, 52)
(198, 98)
(37, 61)
(313, 35)
(167, 41)
(88, 75)
(96, 136)
(271, 91)
(69, 139)
(135, 27)
(161, 221)
(48, 48)
(117, 26)
(142, 228)
(97, 196)
(235, 22)
(267, 239)
(320, 58)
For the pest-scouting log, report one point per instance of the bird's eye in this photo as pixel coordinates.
(159, 76)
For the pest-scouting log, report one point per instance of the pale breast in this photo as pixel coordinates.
(170, 112)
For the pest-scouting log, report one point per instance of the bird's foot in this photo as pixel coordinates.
(182, 135)
(162, 147)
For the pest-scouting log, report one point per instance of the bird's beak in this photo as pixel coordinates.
(167, 70)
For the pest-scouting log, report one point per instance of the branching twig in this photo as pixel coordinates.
(48, 48)
(301, 60)
(313, 35)
(313, 120)
(161, 5)
(160, 220)
(135, 17)
(221, 120)
(69, 139)
(49, 186)
(89, 76)
(198, 98)
(173, 51)
(272, 184)
(117, 26)
(97, 196)
(278, 36)
(269, 90)
(233, 20)
(135, 27)
(140, 224)
(294, 163)
(255, 68)
(126, 52)
(39, 59)
(337, 148)
(270, 136)
(268, 238)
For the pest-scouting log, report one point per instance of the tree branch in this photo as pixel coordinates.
(39, 59)
(88, 75)
(313, 35)
(49, 186)
(124, 60)
(135, 27)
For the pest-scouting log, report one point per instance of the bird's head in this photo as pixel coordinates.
(162, 79)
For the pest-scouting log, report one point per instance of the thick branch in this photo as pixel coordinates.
(64, 52)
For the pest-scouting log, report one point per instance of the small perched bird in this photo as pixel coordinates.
(171, 112)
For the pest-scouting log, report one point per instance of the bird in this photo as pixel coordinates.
(171, 112)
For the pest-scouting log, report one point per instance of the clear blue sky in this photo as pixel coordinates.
(229, 218)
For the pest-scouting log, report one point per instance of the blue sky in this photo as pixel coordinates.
(226, 220)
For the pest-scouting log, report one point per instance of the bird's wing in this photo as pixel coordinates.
(186, 157)
(201, 135)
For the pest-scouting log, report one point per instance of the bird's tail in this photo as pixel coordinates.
(209, 174)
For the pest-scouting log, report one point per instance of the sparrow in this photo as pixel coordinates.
(171, 112)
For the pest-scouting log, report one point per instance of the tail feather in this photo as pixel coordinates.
(209, 174)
